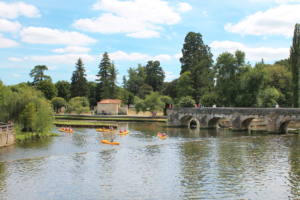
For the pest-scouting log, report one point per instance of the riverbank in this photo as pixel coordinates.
(28, 135)
(83, 124)
(117, 118)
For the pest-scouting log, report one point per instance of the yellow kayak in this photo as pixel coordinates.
(124, 133)
(162, 137)
(61, 130)
(101, 130)
(109, 142)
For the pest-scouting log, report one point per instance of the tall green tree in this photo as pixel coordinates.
(48, 88)
(295, 65)
(124, 83)
(64, 89)
(38, 74)
(92, 93)
(28, 115)
(171, 89)
(104, 78)
(58, 102)
(113, 81)
(79, 85)
(79, 105)
(167, 100)
(197, 58)
(144, 90)
(154, 75)
(136, 78)
(184, 87)
(151, 103)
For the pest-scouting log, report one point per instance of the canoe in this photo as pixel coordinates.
(101, 130)
(124, 133)
(160, 136)
(109, 142)
(66, 131)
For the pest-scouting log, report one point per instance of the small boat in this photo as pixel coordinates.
(109, 142)
(162, 137)
(101, 130)
(61, 130)
(124, 133)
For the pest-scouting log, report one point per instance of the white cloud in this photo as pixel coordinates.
(265, 37)
(253, 54)
(168, 72)
(179, 55)
(72, 49)
(120, 55)
(15, 59)
(136, 18)
(87, 71)
(184, 7)
(279, 1)
(275, 21)
(53, 68)
(26, 58)
(89, 76)
(13, 10)
(171, 77)
(7, 43)
(16, 75)
(6, 25)
(67, 58)
(205, 13)
(168, 37)
(42, 35)
(144, 34)
(162, 57)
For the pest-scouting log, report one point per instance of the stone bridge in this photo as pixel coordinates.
(276, 119)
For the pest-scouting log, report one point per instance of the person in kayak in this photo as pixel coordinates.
(112, 140)
(103, 128)
(164, 135)
(125, 130)
(70, 129)
(111, 128)
(159, 134)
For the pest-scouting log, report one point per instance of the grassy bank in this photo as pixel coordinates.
(81, 122)
(112, 119)
(28, 135)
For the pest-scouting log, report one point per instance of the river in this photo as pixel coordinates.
(189, 164)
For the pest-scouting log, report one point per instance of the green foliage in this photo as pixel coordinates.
(113, 82)
(125, 96)
(154, 75)
(92, 93)
(136, 79)
(58, 102)
(151, 103)
(38, 74)
(187, 102)
(3, 91)
(295, 65)
(79, 85)
(167, 100)
(170, 89)
(268, 97)
(184, 87)
(197, 58)
(64, 89)
(208, 100)
(103, 80)
(78, 104)
(28, 115)
(48, 88)
(285, 63)
(144, 90)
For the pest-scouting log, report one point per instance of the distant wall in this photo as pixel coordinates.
(7, 135)
(123, 111)
(109, 108)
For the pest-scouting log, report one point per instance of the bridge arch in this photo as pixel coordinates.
(284, 124)
(194, 121)
(185, 120)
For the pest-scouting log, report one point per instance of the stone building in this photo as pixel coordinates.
(111, 106)
(7, 134)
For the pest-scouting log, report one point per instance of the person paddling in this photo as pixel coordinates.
(164, 135)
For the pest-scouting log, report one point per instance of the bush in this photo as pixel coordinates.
(187, 102)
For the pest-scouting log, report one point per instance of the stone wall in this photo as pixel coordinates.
(123, 111)
(113, 109)
(7, 135)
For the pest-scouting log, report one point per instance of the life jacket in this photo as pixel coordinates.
(164, 134)
(125, 130)
(103, 128)
(120, 131)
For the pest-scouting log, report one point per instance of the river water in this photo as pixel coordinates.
(189, 164)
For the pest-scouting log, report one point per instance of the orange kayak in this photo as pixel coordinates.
(101, 130)
(109, 142)
(162, 137)
(61, 130)
(124, 133)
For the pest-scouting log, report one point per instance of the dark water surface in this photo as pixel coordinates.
(189, 164)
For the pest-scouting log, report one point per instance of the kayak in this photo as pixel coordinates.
(109, 142)
(160, 136)
(124, 133)
(61, 130)
(101, 130)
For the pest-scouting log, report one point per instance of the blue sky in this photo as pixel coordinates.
(57, 33)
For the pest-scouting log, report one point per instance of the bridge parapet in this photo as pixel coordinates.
(276, 119)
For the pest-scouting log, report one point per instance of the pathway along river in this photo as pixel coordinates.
(210, 164)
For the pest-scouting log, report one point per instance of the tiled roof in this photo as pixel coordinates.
(115, 101)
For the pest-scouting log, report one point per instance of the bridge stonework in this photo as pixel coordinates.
(276, 119)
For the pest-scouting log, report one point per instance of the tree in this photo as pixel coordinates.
(124, 83)
(92, 93)
(184, 87)
(125, 96)
(151, 103)
(48, 88)
(144, 90)
(78, 104)
(187, 102)
(295, 65)
(171, 89)
(113, 82)
(79, 85)
(154, 75)
(28, 115)
(136, 78)
(64, 89)
(167, 100)
(38, 74)
(103, 75)
(210, 99)
(58, 102)
(197, 58)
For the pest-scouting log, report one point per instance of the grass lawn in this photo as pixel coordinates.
(28, 135)
(112, 119)
(81, 122)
